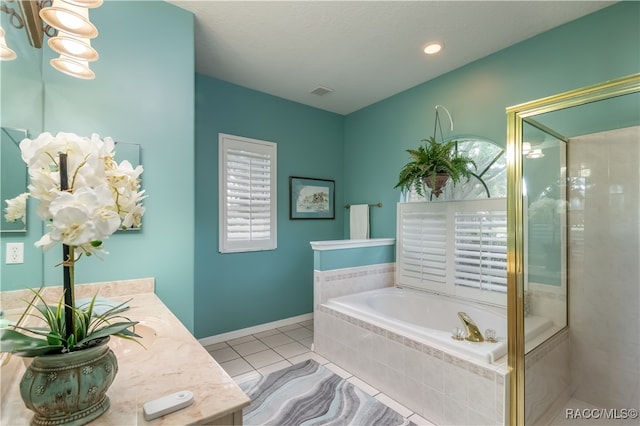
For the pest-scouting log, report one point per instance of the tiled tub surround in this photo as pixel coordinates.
(172, 361)
(547, 383)
(441, 387)
(341, 282)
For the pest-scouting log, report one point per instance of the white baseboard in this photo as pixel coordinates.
(212, 340)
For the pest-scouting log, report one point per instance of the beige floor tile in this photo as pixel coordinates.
(239, 340)
(299, 333)
(249, 348)
(291, 349)
(289, 327)
(236, 367)
(263, 358)
(266, 333)
(224, 354)
(216, 346)
(278, 339)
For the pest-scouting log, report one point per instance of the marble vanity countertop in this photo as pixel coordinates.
(172, 361)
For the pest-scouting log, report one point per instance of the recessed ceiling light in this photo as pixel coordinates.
(433, 48)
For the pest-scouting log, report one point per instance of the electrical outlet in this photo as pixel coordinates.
(15, 253)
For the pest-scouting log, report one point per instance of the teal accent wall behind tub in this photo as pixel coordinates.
(142, 93)
(598, 47)
(240, 290)
(325, 260)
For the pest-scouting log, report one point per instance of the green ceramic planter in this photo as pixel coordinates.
(71, 388)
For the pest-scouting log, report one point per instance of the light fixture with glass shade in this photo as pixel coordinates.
(67, 17)
(73, 67)
(67, 24)
(75, 47)
(6, 54)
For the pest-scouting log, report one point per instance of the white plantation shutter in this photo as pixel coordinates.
(456, 247)
(481, 250)
(247, 194)
(422, 261)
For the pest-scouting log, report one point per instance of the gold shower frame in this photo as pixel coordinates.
(515, 240)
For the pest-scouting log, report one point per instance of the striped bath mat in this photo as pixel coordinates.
(309, 394)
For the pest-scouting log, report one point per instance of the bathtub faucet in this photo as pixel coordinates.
(473, 334)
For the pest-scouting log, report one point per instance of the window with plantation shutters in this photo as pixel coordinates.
(480, 255)
(247, 194)
(456, 247)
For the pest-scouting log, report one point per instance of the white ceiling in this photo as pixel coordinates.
(365, 50)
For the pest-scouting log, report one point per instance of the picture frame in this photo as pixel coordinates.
(311, 198)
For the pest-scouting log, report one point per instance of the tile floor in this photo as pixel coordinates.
(262, 353)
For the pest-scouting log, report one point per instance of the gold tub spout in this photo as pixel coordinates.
(473, 334)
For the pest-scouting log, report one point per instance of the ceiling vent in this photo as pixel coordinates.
(321, 90)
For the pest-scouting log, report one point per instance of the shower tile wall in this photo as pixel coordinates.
(604, 278)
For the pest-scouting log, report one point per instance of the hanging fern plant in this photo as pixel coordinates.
(433, 164)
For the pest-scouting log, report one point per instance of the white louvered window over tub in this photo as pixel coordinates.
(454, 247)
(247, 194)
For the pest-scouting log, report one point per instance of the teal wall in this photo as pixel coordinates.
(141, 94)
(599, 47)
(325, 260)
(239, 290)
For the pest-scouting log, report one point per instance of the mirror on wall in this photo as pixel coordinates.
(130, 152)
(13, 181)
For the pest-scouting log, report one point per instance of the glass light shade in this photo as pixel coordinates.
(70, 19)
(90, 4)
(6, 54)
(73, 67)
(74, 47)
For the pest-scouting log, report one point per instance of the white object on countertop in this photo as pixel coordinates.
(167, 404)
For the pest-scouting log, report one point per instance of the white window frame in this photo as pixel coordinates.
(254, 148)
(427, 243)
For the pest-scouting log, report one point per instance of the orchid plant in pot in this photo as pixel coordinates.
(83, 195)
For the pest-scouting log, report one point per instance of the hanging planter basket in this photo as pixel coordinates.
(436, 182)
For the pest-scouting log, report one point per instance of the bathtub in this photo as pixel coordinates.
(430, 318)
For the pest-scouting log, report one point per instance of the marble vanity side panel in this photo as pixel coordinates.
(547, 377)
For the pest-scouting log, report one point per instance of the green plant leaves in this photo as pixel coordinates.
(89, 327)
(431, 158)
(20, 344)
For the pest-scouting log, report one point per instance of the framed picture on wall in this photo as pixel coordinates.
(311, 198)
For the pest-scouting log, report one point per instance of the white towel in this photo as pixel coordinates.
(359, 221)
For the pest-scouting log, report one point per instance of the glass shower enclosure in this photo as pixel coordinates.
(573, 256)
